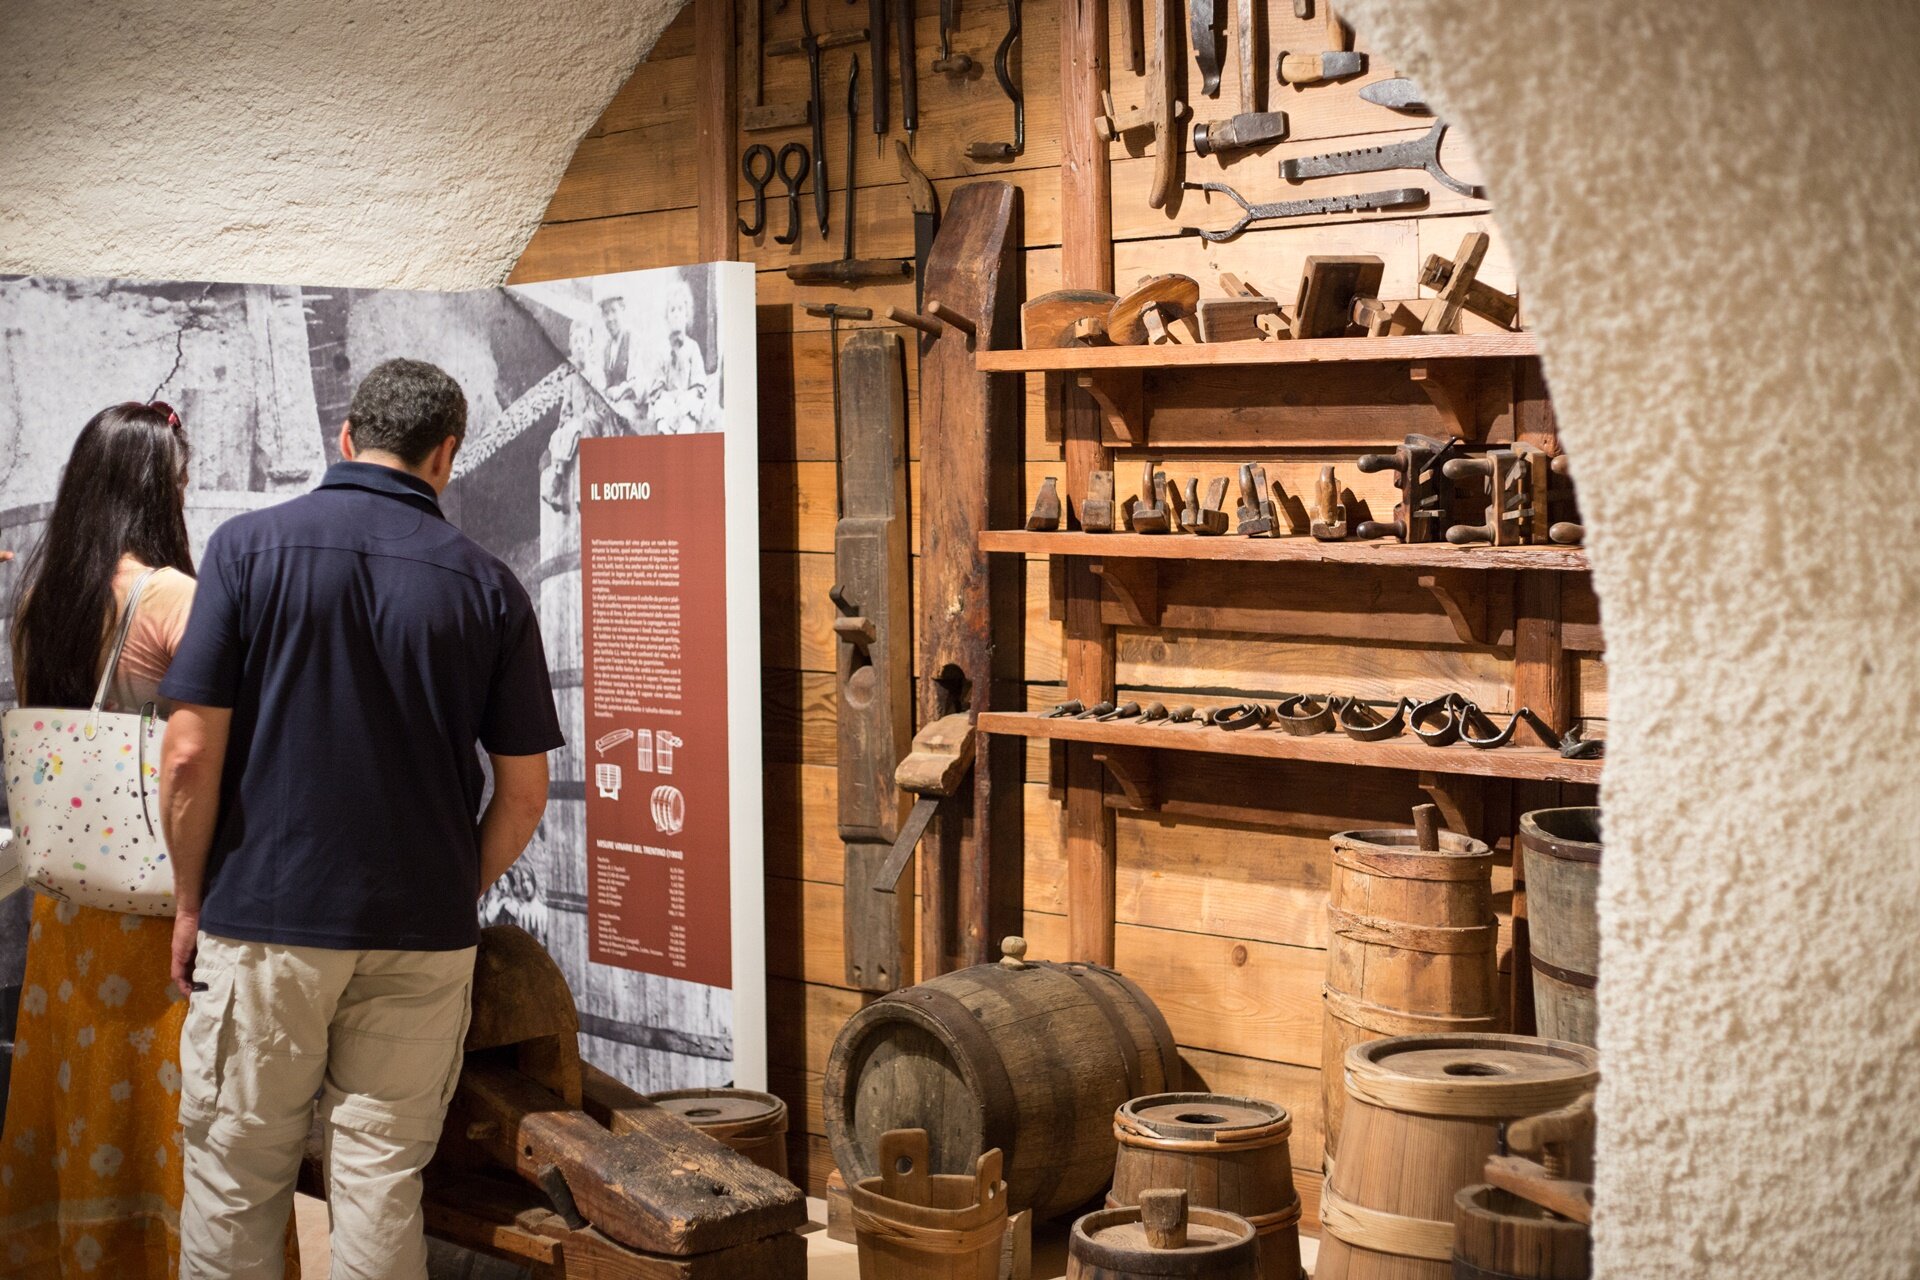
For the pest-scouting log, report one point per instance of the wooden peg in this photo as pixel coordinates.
(946, 314)
(914, 320)
(1426, 826)
(1163, 1212)
(1013, 952)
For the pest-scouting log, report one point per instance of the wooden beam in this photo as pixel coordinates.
(715, 115)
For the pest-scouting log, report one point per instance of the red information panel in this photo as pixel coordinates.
(653, 581)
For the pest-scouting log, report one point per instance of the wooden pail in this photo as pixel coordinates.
(1225, 1153)
(1499, 1236)
(1410, 949)
(1423, 1115)
(913, 1225)
(1561, 851)
(752, 1123)
(1028, 1057)
(1163, 1239)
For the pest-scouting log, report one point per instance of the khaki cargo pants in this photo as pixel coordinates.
(377, 1034)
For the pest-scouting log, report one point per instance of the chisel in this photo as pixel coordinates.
(849, 270)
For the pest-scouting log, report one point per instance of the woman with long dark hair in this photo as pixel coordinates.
(89, 1159)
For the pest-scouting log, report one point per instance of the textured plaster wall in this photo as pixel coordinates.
(1715, 209)
(362, 143)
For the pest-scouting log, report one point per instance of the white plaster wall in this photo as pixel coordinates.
(1715, 211)
(412, 144)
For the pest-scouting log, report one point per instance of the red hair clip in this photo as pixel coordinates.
(161, 406)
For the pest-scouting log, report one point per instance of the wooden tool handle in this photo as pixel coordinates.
(903, 1165)
(914, 320)
(1300, 68)
(1426, 825)
(850, 271)
(1163, 1213)
(828, 40)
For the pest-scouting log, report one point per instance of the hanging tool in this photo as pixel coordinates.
(1400, 93)
(792, 165)
(1421, 153)
(909, 69)
(983, 152)
(941, 757)
(1393, 199)
(833, 313)
(1161, 112)
(1252, 127)
(1203, 31)
(1339, 34)
(755, 115)
(877, 48)
(1311, 68)
(758, 180)
(926, 218)
(849, 270)
(950, 63)
(810, 45)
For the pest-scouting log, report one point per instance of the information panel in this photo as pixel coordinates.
(653, 561)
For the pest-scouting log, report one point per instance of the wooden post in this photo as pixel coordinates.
(1086, 250)
(716, 113)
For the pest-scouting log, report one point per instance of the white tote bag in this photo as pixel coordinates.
(84, 791)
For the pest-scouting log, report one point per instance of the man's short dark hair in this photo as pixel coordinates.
(406, 408)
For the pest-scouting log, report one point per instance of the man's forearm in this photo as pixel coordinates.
(194, 758)
(505, 828)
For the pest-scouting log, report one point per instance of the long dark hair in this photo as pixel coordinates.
(121, 494)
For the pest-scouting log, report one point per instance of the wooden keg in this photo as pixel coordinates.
(1031, 1058)
(1163, 1237)
(752, 1123)
(1499, 1236)
(1225, 1153)
(1423, 1115)
(913, 1225)
(1411, 945)
(1561, 860)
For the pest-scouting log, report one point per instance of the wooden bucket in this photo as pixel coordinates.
(1423, 1115)
(1225, 1153)
(1163, 1238)
(752, 1123)
(913, 1225)
(1561, 852)
(1029, 1058)
(1410, 948)
(1499, 1236)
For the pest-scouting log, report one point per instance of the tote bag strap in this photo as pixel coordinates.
(119, 645)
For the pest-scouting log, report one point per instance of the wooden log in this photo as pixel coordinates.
(1163, 1238)
(972, 620)
(1225, 1152)
(1411, 935)
(1561, 849)
(1499, 1236)
(1030, 1058)
(1423, 1115)
(873, 652)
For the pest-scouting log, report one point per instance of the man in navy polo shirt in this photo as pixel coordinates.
(348, 655)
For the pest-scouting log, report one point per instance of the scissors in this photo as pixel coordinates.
(793, 175)
(757, 178)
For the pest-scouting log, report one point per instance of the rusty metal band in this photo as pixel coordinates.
(1133, 1133)
(1162, 1034)
(1432, 939)
(1571, 977)
(1407, 863)
(1394, 1022)
(1382, 1232)
(999, 1106)
(942, 1240)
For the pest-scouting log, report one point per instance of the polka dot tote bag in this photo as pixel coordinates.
(84, 790)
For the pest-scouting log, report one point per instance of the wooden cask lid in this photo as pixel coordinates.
(1176, 1120)
(726, 1112)
(1396, 852)
(1571, 834)
(1116, 1241)
(1470, 1074)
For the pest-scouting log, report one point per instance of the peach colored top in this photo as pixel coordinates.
(158, 624)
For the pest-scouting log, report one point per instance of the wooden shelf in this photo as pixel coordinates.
(1186, 546)
(1439, 346)
(1534, 764)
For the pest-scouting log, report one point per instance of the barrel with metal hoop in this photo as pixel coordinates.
(751, 1122)
(1561, 853)
(1029, 1057)
(1423, 1115)
(1411, 944)
(1226, 1153)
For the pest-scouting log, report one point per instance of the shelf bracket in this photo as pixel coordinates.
(1132, 771)
(1133, 584)
(1121, 395)
(1461, 801)
(1465, 604)
(1453, 386)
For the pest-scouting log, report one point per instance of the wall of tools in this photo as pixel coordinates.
(1323, 169)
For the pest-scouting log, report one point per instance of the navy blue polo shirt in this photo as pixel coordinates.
(364, 645)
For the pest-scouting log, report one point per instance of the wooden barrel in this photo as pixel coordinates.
(1410, 948)
(1163, 1238)
(1225, 1153)
(752, 1123)
(1031, 1058)
(1499, 1236)
(1423, 1115)
(913, 1225)
(1561, 852)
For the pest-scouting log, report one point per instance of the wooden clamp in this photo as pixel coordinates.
(1444, 317)
(1161, 112)
(1481, 298)
(873, 651)
(1159, 310)
(1425, 510)
(1557, 1136)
